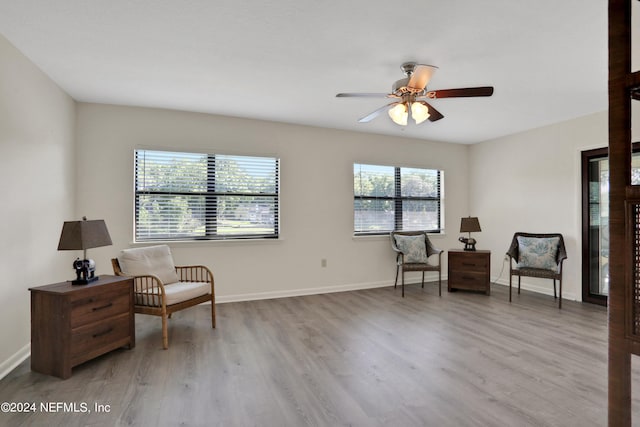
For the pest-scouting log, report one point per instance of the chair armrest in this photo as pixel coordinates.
(148, 289)
(513, 249)
(394, 246)
(196, 273)
(560, 261)
(440, 257)
(431, 250)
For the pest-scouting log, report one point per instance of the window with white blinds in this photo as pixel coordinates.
(388, 198)
(196, 196)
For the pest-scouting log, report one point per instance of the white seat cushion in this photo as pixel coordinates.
(175, 293)
(155, 260)
(182, 291)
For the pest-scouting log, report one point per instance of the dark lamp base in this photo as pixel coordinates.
(84, 281)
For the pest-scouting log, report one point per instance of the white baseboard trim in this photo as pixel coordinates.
(541, 289)
(316, 291)
(300, 292)
(13, 361)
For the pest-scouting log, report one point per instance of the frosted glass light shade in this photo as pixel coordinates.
(419, 112)
(399, 114)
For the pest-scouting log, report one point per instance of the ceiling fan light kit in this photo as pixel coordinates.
(411, 94)
(399, 113)
(419, 112)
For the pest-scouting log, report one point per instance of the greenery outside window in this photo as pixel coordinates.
(388, 198)
(196, 196)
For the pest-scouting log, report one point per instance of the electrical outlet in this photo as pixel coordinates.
(323, 262)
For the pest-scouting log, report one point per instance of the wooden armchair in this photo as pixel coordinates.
(413, 249)
(537, 255)
(160, 287)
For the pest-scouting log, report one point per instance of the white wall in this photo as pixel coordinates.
(531, 182)
(316, 196)
(37, 171)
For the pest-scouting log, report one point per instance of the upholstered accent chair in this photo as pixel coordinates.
(162, 288)
(537, 255)
(413, 250)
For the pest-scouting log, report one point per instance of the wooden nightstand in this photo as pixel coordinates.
(71, 324)
(469, 270)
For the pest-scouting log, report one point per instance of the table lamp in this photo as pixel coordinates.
(469, 225)
(84, 235)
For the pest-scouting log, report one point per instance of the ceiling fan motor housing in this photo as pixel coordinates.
(400, 86)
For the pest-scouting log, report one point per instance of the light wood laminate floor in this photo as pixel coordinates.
(363, 358)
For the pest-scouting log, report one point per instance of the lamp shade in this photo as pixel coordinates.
(470, 225)
(84, 235)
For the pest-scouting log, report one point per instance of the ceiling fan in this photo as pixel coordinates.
(411, 94)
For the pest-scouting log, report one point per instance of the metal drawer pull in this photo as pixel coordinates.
(103, 333)
(102, 307)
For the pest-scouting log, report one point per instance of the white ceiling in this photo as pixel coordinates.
(284, 60)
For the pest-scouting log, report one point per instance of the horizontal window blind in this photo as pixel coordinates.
(388, 198)
(196, 196)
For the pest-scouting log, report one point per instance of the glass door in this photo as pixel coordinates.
(595, 222)
(595, 226)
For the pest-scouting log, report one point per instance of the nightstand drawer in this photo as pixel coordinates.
(92, 338)
(469, 280)
(99, 306)
(469, 263)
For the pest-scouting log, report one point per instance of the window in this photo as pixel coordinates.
(196, 196)
(388, 198)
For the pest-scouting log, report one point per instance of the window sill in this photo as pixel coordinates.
(365, 237)
(191, 243)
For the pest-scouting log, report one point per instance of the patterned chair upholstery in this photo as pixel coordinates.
(413, 249)
(537, 255)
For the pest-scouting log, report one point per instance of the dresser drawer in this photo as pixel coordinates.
(94, 338)
(469, 263)
(469, 280)
(100, 306)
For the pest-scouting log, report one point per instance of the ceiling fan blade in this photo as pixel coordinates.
(376, 113)
(461, 93)
(366, 95)
(421, 76)
(434, 114)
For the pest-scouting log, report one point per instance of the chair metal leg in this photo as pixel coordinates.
(395, 284)
(403, 283)
(554, 289)
(510, 280)
(423, 280)
(439, 283)
(560, 299)
(519, 285)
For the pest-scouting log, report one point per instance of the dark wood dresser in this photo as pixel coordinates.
(71, 324)
(469, 270)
